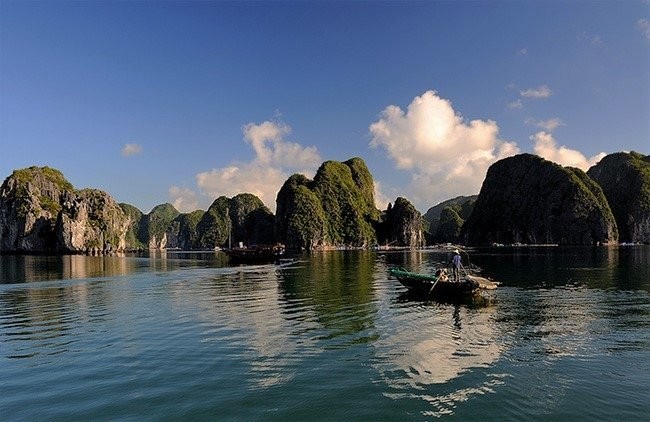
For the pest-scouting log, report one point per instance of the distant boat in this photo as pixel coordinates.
(440, 285)
(258, 254)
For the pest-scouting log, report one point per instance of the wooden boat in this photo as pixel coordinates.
(258, 254)
(440, 285)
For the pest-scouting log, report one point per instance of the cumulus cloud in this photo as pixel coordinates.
(131, 149)
(261, 180)
(267, 140)
(546, 147)
(548, 125)
(264, 175)
(539, 92)
(183, 199)
(381, 198)
(446, 154)
(644, 27)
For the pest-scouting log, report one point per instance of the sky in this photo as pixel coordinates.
(182, 102)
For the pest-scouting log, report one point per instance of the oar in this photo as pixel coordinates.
(434, 285)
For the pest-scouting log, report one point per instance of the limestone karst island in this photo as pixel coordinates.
(524, 199)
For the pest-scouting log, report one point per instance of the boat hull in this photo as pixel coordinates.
(256, 255)
(441, 287)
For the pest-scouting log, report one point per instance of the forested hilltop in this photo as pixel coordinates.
(523, 199)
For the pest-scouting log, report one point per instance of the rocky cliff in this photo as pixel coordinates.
(432, 216)
(443, 222)
(229, 221)
(40, 211)
(530, 200)
(133, 233)
(335, 209)
(402, 225)
(182, 232)
(153, 227)
(625, 180)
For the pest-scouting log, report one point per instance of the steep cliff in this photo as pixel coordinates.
(182, 232)
(40, 211)
(530, 200)
(133, 240)
(229, 221)
(446, 219)
(300, 219)
(252, 222)
(432, 216)
(449, 226)
(153, 228)
(335, 209)
(402, 225)
(625, 180)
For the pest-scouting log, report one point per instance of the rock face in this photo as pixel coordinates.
(625, 180)
(182, 232)
(432, 216)
(91, 220)
(446, 219)
(243, 218)
(335, 209)
(530, 200)
(402, 225)
(40, 211)
(153, 227)
(133, 237)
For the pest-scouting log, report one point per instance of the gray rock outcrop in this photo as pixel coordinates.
(527, 199)
(625, 180)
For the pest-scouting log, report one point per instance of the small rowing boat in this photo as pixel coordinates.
(439, 285)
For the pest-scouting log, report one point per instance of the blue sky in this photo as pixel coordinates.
(184, 101)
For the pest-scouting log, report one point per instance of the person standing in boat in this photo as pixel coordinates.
(455, 265)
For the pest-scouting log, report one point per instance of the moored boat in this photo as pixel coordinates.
(258, 254)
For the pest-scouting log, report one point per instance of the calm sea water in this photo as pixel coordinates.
(331, 337)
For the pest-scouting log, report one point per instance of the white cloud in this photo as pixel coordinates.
(267, 140)
(644, 27)
(523, 52)
(264, 175)
(539, 92)
(131, 149)
(446, 154)
(516, 104)
(381, 198)
(183, 199)
(546, 147)
(548, 125)
(261, 180)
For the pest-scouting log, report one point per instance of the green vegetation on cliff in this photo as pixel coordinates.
(26, 175)
(335, 209)
(215, 225)
(447, 219)
(449, 226)
(155, 224)
(527, 199)
(182, 231)
(132, 235)
(625, 182)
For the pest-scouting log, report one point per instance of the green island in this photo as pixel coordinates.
(524, 200)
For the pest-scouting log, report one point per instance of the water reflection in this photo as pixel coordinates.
(338, 286)
(30, 268)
